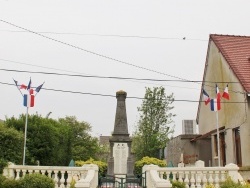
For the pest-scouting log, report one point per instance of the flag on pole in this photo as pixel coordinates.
(39, 88)
(218, 99)
(15, 82)
(31, 91)
(217, 92)
(226, 93)
(205, 97)
(28, 100)
(215, 105)
(29, 85)
(22, 86)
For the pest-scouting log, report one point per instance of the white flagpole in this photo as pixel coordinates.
(25, 134)
(218, 139)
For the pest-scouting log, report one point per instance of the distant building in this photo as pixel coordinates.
(183, 149)
(189, 127)
(104, 140)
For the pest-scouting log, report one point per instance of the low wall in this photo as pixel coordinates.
(197, 176)
(85, 176)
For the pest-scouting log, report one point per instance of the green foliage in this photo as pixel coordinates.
(209, 186)
(3, 164)
(229, 183)
(11, 183)
(102, 165)
(84, 146)
(72, 183)
(11, 145)
(147, 161)
(37, 181)
(153, 127)
(178, 184)
(2, 178)
(49, 141)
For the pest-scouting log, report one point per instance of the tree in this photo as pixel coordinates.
(153, 127)
(84, 146)
(54, 142)
(47, 140)
(11, 144)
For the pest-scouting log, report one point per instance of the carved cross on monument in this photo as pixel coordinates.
(120, 161)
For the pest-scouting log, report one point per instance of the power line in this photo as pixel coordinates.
(109, 35)
(97, 54)
(106, 95)
(111, 77)
(91, 52)
(45, 67)
(94, 76)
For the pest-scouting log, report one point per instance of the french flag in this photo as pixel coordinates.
(218, 97)
(205, 97)
(226, 93)
(28, 100)
(215, 105)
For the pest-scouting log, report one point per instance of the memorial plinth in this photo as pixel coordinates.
(120, 161)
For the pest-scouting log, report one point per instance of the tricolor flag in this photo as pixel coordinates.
(15, 82)
(205, 97)
(28, 100)
(29, 85)
(215, 105)
(22, 86)
(217, 92)
(225, 93)
(29, 96)
(218, 97)
(39, 88)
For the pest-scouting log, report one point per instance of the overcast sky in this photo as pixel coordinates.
(111, 38)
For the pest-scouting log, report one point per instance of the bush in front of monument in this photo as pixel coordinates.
(101, 165)
(147, 161)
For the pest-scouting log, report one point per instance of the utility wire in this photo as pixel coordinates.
(45, 67)
(97, 54)
(91, 52)
(109, 77)
(109, 35)
(106, 95)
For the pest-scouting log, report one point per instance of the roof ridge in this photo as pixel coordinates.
(227, 35)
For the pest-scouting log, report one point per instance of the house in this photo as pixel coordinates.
(227, 62)
(181, 149)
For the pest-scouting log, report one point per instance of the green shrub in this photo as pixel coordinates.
(72, 183)
(3, 164)
(102, 165)
(147, 161)
(178, 184)
(37, 181)
(11, 183)
(209, 186)
(229, 183)
(2, 178)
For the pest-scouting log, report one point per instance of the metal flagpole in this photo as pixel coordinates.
(25, 134)
(218, 137)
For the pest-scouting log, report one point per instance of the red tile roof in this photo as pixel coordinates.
(236, 51)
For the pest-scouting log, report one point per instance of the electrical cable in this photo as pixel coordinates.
(106, 95)
(91, 52)
(110, 35)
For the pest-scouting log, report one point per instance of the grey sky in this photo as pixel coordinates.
(94, 24)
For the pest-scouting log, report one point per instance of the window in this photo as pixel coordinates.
(237, 146)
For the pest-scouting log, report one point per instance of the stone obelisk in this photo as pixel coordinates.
(120, 161)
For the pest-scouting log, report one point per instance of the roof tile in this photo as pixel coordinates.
(236, 51)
